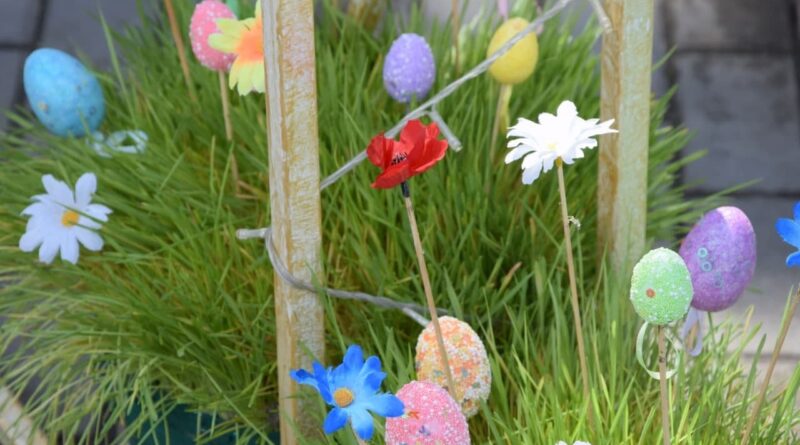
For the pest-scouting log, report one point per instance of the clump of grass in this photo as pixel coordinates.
(176, 311)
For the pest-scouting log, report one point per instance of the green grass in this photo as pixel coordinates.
(175, 310)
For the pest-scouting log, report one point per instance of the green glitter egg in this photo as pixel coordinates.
(661, 287)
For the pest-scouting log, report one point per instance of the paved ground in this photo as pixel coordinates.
(735, 63)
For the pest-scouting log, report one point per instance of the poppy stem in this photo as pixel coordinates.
(226, 116)
(455, 24)
(573, 286)
(662, 377)
(426, 285)
(176, 36)
(788, 314)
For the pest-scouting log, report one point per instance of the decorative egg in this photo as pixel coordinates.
(409, 69)
(661, 287)
(518, 63)
(204, 23)
(64, 95)
(469, 363)
(431, 417)
(720, 252)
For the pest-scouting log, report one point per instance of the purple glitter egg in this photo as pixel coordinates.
(720, 252)
(409, 69)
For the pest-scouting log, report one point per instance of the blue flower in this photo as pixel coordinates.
(352, 390)
(789, 230)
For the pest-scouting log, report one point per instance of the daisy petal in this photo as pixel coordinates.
(335, 420)
(362, 423)
(49, 249)
(386, 405)
(58, 191)
(789, 230)
(70, 249)
(84, 189)
(90, 240)
(354, 357)
(793, 260)
(31, 240)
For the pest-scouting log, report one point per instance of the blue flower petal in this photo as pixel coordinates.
(372, 382)
(793, 260)
(323, 382)
(385, 405)
(335, 420)
(789, 230)
(373, 364)
(797, 211)
(304, 377)
(354, 357)
(362, 423)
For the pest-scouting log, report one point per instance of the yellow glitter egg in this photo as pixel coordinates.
(469, 363)
(519, 62)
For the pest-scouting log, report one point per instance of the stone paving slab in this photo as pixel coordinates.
(744, 110)
(773, 280)
(730, 25)
(18, 21)
(11, 62)
(74, 26)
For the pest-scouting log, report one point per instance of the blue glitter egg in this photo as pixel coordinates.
(409, 69)
(63, 94)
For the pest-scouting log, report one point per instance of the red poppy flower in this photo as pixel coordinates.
(417, 150)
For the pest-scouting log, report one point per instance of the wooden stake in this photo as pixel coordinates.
(426, 285)
(662, 377)
(226, 115)
(177, 36)
(626, 61)
(573, 284)
(455, 23)
(291, 97)
(776, 352)
(500, 115)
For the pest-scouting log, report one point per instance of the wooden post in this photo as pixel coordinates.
(626, 63)
(291, 97)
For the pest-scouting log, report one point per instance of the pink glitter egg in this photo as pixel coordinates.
(720, 252)
(431, 417)
(469, 363)
(204, 23)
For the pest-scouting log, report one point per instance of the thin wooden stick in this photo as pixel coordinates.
(226, 115)
(500, 112)
(426, 285)
(573, 285)
(178, 38)
(662, 377)
(776, 352)
(455, 24)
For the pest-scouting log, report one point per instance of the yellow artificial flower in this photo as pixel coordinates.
(244, 39)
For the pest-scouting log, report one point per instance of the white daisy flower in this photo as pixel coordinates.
(560, 137)
(576, 443)
(60, 219)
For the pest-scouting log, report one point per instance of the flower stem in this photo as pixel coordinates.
(177, 37)
(662, 374)
(776, 352)
(226, 116)
(426, 285)
(573, 285)
(456, 24)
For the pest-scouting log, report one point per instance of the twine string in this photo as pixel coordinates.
(410, 309)
(427, 108)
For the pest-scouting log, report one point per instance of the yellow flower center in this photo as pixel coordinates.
(343, 397)
(70, 218)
